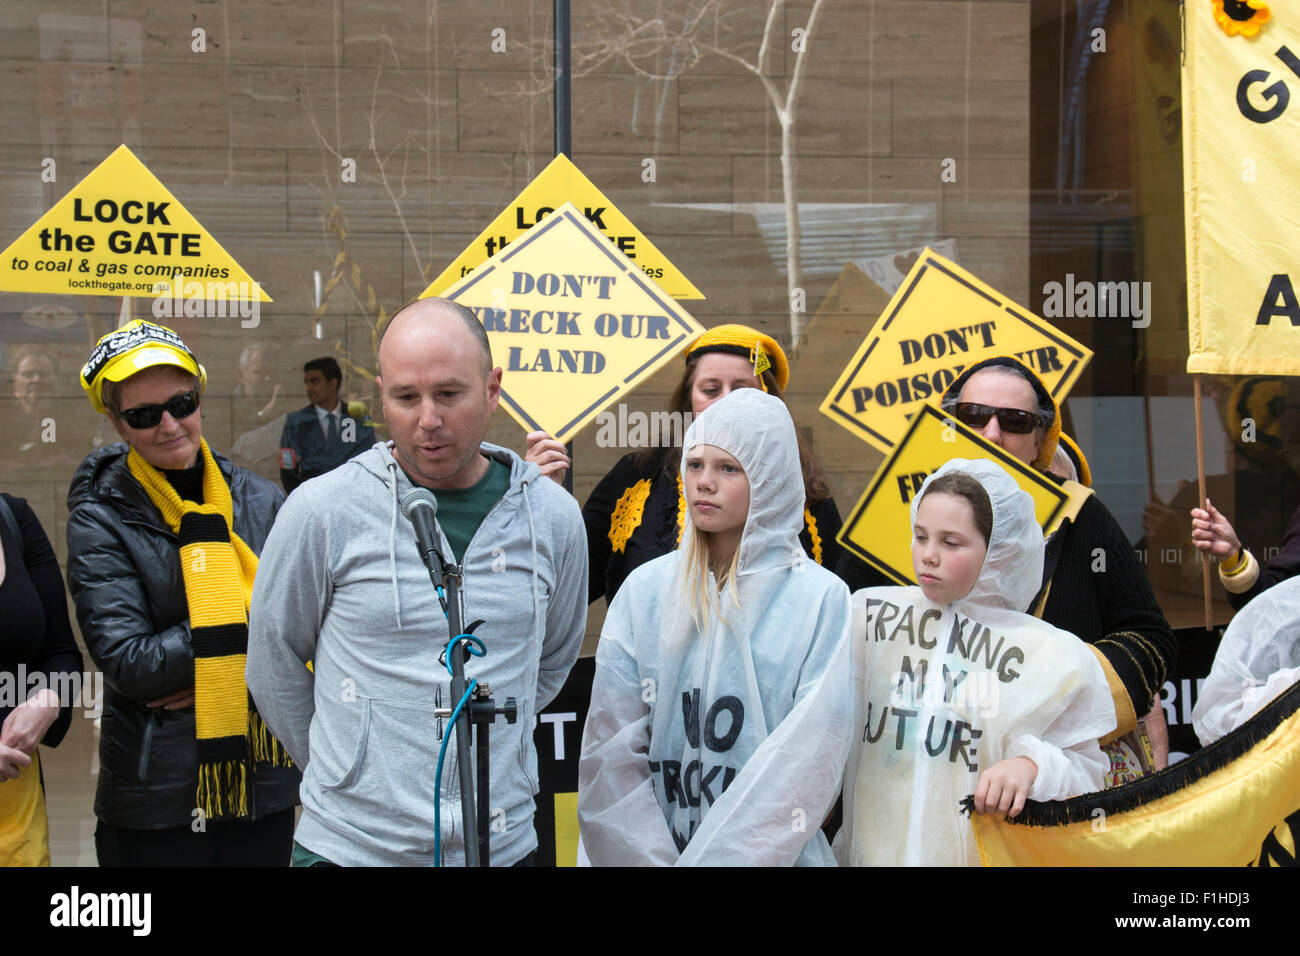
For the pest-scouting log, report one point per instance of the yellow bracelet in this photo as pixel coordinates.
(1238, 564)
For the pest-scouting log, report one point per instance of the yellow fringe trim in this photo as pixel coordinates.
(223, 789)
(266, 749)
(626, 517)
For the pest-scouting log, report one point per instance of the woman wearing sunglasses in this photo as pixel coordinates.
(163, 539)
(1093, 585)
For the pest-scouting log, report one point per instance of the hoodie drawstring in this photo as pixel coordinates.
(532, 540)
(392, 542)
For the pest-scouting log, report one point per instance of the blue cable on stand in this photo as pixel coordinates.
(476, 649)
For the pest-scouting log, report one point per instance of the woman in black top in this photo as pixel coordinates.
(37, 654)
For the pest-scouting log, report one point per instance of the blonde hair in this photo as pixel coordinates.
(701, 599)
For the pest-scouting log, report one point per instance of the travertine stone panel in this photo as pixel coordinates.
(934, 39)
(504, 112)
(734, 114)
(99, 104)
(399, 191)
(1001, 261)
(269, 32)
(957, 118)
(448, 35)
(38, 29)
(345, 110)
(988, 199)
(618, 113)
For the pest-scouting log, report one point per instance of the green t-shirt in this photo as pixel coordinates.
(461, 512)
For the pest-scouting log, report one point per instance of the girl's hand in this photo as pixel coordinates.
(1212, 532)
(1005, 785)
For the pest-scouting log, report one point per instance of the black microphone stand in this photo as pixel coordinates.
(480, 710)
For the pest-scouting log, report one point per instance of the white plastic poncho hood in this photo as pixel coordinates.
(724, 747)
(945, 692)
(1258, 658)
(1013, 565)
(756, 430)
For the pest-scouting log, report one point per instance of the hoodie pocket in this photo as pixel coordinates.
(340, 771)
(388, 791)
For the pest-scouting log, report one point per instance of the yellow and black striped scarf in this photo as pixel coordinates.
(218, 569)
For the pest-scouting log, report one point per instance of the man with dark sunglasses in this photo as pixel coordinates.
(1093, 585)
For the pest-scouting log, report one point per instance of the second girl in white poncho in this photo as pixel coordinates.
(958, 691)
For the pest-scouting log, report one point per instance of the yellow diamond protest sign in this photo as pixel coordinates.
(879, 529)
(121, 232)
(560, 182)
(574, 323)
(941, 321)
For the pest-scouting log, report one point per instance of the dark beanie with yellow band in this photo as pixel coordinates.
(760, 350)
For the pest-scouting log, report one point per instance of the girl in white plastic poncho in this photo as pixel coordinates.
(722, 710)
(958, 691)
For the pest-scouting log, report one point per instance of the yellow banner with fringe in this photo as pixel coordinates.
(1234, 803)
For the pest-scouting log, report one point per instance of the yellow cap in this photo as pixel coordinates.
(761, 350)
(136, 346)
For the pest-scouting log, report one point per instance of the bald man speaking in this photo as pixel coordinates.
(341, 584)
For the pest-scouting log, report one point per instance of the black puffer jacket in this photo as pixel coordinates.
(124, 573)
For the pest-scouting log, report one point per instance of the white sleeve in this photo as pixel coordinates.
(778, 801)
(619, 816)
(1079, 710)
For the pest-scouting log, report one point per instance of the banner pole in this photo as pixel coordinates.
(563, 129)
(1200, 490)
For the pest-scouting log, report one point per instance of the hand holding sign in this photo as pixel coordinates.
(549, 455)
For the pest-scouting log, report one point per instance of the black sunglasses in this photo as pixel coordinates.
(1013, 420)
(178, 407)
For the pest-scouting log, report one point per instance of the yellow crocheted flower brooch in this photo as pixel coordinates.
(1241, 17)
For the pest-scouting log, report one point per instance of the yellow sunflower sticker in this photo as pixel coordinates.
(1244, 17)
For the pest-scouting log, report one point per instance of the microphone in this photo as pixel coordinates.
(420, 507)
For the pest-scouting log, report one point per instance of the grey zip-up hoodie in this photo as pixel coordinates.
(341, 584)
